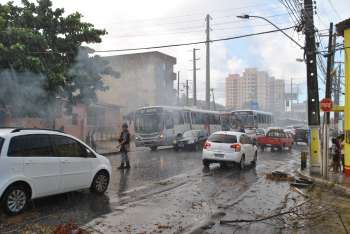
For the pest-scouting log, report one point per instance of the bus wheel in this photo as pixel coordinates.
(153, 148)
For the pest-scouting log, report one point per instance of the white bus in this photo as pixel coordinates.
(251, 119)
(159, 125)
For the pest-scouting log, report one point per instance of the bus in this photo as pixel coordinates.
(251, 119)
(160, 125)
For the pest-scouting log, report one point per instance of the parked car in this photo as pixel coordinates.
(276, 138)
(301, 135)
(224, 146)
(36, 163)
(192, 139)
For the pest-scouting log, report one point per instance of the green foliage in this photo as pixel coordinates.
(41, 40)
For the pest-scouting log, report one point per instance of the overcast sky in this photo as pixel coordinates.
(139, 23)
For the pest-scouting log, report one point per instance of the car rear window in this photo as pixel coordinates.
(276, 133)
(35, 145)
(223, 138)
(1, 143)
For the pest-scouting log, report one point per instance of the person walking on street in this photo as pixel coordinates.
(124, 141)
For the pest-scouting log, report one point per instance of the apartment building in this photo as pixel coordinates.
(255, 89)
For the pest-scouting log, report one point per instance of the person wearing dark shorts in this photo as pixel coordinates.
(124, 141)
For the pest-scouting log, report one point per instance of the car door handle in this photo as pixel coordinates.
(28, 163)
(65, 161)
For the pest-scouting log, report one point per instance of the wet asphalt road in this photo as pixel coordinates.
(147, 176)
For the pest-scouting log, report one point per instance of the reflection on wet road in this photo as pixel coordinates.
(147, 168)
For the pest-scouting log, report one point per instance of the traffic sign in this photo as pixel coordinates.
(326, 104)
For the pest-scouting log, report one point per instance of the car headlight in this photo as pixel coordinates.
(137, 138)
(161, 136)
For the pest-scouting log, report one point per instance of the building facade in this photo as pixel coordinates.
(255, 89)
(146, 79)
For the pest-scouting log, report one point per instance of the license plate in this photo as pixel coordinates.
(219, 155)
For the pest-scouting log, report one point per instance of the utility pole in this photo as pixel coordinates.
(329, 68)
(291, 96)
(186, 86)
(312, 86)
(178, 88)
(328, 94)
(194, 77)
(207, 72)
(214, 105)
(337, 92)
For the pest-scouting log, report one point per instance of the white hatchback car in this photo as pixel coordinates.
(222, 147)
(36, 163)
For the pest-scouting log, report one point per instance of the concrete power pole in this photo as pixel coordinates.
(194, 77)
(312, 86)
(328, 94)
(178, 88)
(187, 98)
(207, 73)
(214, 105)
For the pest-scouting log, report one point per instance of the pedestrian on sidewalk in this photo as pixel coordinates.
(124, 141)
(335, 154)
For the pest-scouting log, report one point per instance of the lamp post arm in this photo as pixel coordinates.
(291, 38)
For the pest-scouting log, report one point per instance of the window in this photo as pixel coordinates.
(1, 143)
(223, 138)
(35, 145)
(67, 147)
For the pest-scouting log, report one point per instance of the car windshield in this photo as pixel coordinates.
(222, 138)
(148, 123)
(1, 143)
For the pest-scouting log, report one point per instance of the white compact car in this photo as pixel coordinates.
(36, 163)
(222, 147)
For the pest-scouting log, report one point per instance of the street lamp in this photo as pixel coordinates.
(263, 18)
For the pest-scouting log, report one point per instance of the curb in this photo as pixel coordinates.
(344, 190)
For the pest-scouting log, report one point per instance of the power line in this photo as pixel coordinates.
(188, 43)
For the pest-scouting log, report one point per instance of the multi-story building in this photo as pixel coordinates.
(255, 90)
(145, 79)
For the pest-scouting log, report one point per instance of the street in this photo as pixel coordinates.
(169, 192)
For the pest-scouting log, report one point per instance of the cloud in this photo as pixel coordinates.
(236, 65)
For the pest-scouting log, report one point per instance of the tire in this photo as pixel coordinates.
(206, 163)
(255, 160)
(262, 148)
(197, 147)
(242, 162)
(153, 148)
(15, 199)
(100, 183)
(176, 148)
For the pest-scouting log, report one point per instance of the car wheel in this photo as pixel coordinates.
(262, 148)
(153, 148)
(176, 148)
(197, 147)
(255, 160)
(242, 162)
(100, 183)
(206, 163)
(15, 199)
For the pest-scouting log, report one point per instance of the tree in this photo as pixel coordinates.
(41, 50)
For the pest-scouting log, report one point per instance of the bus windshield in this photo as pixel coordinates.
(148, 123)
(245, 118)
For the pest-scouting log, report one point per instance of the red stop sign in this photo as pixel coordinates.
(326, 104)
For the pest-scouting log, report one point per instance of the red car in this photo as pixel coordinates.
(276, 138)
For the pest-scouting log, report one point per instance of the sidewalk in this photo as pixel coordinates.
(338, 181)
